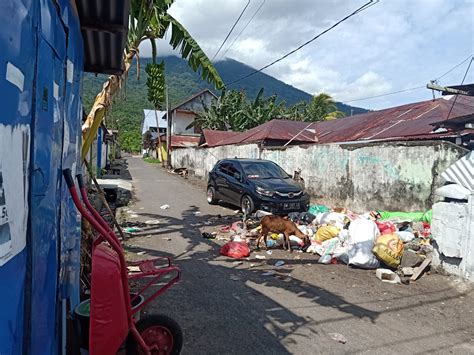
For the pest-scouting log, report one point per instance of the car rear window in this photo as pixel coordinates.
(263, 170)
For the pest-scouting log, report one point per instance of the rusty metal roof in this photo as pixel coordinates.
(182, 141)
(407, 122)
(458, 123)
(213, 138)
(104, 28)
(276, 130)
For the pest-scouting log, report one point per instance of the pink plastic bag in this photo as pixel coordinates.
(235, 250)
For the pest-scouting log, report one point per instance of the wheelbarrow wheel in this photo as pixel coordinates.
(161, 333)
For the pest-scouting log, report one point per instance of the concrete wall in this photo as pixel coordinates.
(201, 160)
(362, 176)
(452, 228)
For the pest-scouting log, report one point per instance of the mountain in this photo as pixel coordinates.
(127, 109)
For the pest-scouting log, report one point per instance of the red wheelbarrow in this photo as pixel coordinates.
(113, 320)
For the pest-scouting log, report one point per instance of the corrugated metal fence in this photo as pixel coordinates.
(40, 72)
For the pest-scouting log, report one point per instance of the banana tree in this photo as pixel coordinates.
(149, 20)
(156, 92)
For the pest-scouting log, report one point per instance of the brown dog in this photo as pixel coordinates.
(277, 224)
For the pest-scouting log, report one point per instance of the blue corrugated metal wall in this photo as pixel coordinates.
(70, 219)
(40, 73)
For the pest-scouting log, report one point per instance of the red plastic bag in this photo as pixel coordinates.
(386, 227)
(235, 250)
(426, 229)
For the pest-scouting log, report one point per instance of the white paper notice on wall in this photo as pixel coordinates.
(70, 71)
(15, 76)
(14, 180)
(55, 91)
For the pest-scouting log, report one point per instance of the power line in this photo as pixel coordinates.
(233, 26)
(388, 93)
(414, 88)
(456, 66)
(360, 9)
(462, 82)
(243, 29)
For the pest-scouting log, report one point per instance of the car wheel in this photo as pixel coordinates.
(247, 205)
(211, 195)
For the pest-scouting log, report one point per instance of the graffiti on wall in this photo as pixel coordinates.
(14, 163)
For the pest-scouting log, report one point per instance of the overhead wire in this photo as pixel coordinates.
(233, 26)
(462, 82)
(414, 88)
(386, 94)
(455, 67)
(243, 29)
(360, 9)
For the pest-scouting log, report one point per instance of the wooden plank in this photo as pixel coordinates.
(422, 267)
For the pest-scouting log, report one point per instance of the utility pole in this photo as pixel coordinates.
(168, 130)
(447, 89)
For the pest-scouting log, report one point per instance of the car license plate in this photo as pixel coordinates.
(291, 205)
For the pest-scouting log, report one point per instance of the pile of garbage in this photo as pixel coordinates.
(398, 244)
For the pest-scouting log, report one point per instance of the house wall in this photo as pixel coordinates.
(196, 104)
(452, 228)
(363, 176)
(181, 120)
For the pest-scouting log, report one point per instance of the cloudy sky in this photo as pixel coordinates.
(394, 45)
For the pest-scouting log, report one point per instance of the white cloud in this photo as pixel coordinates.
(391, 46)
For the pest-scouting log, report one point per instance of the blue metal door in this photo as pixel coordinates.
(46, 183)
(17, 71)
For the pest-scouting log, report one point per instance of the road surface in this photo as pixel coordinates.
(227, 308)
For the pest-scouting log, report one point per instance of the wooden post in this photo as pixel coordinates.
(168, 130)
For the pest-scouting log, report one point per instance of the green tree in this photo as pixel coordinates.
(261, 110)
(323, 107)
(148, 142)
(149, 20)
(131, 141)
(232, 111)
(224, 113)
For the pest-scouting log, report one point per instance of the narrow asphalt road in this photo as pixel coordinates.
(229, 308)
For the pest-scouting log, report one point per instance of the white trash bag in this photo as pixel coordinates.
(361, 240)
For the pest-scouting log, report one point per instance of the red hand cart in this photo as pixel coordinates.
(112, 318)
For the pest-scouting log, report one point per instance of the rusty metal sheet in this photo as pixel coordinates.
(412, 121)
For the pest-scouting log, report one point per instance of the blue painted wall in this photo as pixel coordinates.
(40, 74)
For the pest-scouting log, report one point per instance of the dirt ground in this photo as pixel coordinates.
(230, 307)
